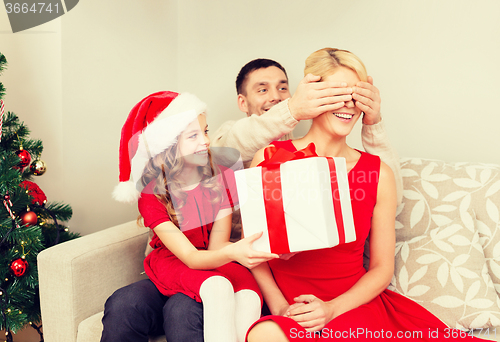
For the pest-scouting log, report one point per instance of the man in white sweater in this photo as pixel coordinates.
(139, 310)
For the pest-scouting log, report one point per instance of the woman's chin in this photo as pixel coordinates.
(343, 128)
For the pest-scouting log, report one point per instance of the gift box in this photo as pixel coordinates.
(300, 201)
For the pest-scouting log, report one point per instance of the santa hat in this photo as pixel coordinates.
(152, 126)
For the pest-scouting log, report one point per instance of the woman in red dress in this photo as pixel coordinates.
(327, 294)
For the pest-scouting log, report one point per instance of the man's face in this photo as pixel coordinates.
(264, 88)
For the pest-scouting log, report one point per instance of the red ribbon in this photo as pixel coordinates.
(337, 209)
(277, 156)
(271, 185)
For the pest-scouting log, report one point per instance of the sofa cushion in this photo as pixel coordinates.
(90, 329)
(445, 271)
(488, 224)
(443, 196)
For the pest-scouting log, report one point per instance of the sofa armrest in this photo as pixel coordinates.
(76, 277)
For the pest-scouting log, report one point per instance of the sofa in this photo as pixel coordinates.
(447, 256)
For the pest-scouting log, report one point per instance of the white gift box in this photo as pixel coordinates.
(312, 197)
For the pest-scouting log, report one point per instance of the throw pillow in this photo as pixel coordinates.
(445, 271)
(437, 192)
(488, 225)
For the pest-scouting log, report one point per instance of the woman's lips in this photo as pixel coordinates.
(344, 116)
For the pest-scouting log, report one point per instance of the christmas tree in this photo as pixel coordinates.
(28, 223)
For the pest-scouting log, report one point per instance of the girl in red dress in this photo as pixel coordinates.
(187, 201)
(327, 294)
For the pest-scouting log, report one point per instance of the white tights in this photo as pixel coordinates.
(227, 315)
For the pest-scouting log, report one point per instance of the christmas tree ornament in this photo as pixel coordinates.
(34, 191)
(8, 205)
(29, 218)
(25, 158)
(2, 111)
(18, 267)
(38, 167)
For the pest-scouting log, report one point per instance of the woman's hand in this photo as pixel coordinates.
(283, 310)
(367, 98)
(310, 312)
(243, 253)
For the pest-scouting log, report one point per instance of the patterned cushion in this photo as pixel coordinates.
(488, 224)
(445, 271)
(443, 195)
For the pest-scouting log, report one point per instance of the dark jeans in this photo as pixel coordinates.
(139, 310)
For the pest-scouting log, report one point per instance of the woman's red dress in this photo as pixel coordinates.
(327, 273)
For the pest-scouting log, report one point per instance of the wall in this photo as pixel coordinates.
(113, 54)
(74, 80)
(33, 89)
(434, 62)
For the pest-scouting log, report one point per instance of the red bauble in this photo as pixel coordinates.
(18, 267)
(29, 218)
(25, 158)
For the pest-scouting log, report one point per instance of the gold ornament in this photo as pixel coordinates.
(38, 167)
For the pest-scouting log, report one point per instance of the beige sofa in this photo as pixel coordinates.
(447, 255)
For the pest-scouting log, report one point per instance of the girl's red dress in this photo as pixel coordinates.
(164, 269)
(327, 273)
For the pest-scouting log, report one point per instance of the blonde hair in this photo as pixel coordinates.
(326, 61)
(165, 169)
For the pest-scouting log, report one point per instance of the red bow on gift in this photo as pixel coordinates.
(276, 156)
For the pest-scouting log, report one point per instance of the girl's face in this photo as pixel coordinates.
(341, 121)
(194, 142)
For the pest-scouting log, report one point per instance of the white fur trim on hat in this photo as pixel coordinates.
(182, 103)
(126, 192)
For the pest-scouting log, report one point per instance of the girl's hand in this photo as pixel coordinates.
(243, 253)
(367, 98)
(310, 312)
(287, 256)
